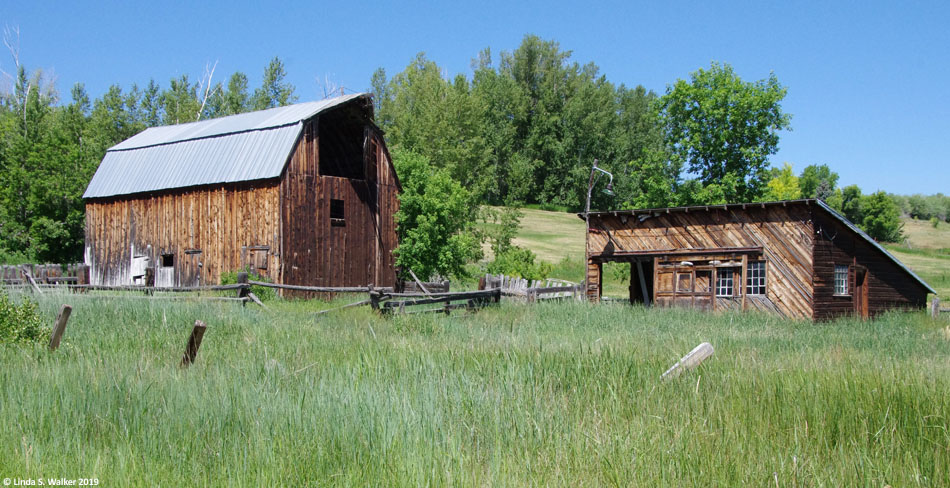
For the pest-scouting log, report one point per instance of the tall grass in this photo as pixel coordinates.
(555, 394)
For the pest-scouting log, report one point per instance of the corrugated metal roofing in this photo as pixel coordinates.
(242, 147)
(820, 203)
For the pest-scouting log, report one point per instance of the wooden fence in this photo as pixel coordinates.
(390, 303)
(533, 290)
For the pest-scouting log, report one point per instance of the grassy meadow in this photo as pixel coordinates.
(553, 394)
(565, 394)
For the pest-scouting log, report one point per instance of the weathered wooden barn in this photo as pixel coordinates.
(303, 194)
(797, 259)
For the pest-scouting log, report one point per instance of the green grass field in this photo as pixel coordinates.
(554, 394)
(565, 394)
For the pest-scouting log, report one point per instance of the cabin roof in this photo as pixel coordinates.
(741, 206)
(243, 147)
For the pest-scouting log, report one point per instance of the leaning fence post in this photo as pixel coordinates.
(60, 326)
(29, 278)
(194, 342)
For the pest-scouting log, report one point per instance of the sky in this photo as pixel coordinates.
(867, 81)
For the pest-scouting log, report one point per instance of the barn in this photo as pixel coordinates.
(798, 259)
(302, 194)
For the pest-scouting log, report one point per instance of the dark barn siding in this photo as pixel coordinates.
(889, 286)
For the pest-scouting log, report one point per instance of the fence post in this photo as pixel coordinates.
(60, 326)
(244, 290)
(935, 307)
(194, 342)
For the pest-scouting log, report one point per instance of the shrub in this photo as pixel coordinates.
(262, 292)
(519, 262)
(20, 323)
(934, 221)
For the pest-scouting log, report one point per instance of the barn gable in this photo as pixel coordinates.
(237, 148)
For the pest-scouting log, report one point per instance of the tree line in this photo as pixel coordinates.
(523, 129)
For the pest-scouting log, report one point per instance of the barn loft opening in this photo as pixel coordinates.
(340, 133)
(337, 212)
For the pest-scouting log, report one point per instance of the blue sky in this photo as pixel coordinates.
(867, 81)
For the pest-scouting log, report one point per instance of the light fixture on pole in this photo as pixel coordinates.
(594, 175)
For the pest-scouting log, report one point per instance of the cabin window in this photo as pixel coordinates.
(725, 282)
(168, 260)
(340, 139)
(684, 282)
(337, 212)
(755, 279)
(841, 280)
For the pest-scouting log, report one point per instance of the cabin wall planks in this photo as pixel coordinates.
(799, 242)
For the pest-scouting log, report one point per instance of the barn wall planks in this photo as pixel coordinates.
(354, 247)
(125, 235)
(784, 235)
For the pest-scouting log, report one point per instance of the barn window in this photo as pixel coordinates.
(725, 282)
(755, 279)
(337, 212)
(841, 280)
(341, 134)
(168, 260)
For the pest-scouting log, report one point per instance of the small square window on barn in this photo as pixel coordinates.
(841, 280)
(755, 281)
(725, 282)
(168, 260)
(337, 213)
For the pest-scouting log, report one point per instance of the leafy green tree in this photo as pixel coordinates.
(851, 203)
(721, 126)
(783, 185)
(435, 221)
(274, 90)
(236, 99)
(818, 181)
(882, 219)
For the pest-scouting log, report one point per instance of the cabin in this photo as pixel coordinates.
(798, 259)
(303, 194)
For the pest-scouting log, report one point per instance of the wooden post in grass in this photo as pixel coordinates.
(935, 307)
(243, 292)
(59, 327)
(194, 342)
(699, 354)
(30, 279)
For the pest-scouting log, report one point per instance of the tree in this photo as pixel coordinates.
(720, 125)
(882, 218)
(851, 203)
(435, 221)
(818, 181)
(274, 91)
(783, 185)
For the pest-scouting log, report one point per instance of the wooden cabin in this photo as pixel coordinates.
(303, 194)
(799, 259)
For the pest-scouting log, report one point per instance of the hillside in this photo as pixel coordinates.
(554, 236)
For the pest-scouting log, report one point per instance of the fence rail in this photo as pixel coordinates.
(532, 290)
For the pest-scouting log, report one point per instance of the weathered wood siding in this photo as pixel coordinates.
(355, 250)
(231, 226)
(889, 286)
(784, 235)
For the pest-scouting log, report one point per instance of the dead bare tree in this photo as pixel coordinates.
(205, 85)
(329, 87)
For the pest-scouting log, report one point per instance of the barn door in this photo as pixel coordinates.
(861, 292)
(191, 268)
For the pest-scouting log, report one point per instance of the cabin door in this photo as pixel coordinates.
(861, 292)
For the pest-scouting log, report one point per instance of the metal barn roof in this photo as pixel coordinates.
(231, 149)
